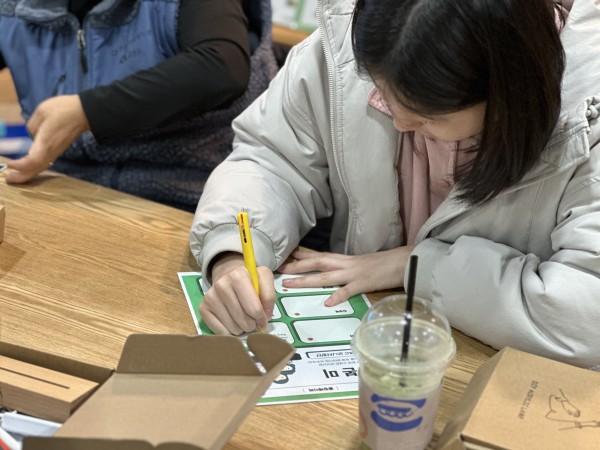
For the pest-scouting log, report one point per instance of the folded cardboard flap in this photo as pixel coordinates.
(518, 400)
(268, 350)
(171, 354)
(173, 392)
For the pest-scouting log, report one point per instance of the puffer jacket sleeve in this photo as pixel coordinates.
(278, 170)
(549, 307)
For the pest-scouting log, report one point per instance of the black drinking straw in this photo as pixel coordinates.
(410, 292)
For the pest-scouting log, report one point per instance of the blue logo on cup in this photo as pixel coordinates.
(393, 414)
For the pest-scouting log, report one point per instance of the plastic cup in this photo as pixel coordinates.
(398, 398)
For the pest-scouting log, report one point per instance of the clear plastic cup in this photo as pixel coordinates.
(399, 397)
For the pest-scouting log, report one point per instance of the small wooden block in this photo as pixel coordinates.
(41, 392)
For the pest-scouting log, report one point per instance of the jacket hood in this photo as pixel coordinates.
(581, 41)
(569, 144)
(55, 12)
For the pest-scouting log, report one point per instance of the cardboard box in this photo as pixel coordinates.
(171, 392)
(26, 391)
(517, 400)
(41, 392)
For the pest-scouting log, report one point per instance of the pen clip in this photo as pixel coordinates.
(247, 248)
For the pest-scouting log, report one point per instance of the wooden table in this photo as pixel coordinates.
(82, 267)
(287, 36)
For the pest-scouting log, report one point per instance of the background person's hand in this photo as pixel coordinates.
(231, 305)
(55, 124)
(355, 274)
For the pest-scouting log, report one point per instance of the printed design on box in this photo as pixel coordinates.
(562, 410)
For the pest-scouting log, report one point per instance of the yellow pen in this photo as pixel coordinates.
(247, 249)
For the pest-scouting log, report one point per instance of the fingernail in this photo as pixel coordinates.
(329, 302)
(289, 282)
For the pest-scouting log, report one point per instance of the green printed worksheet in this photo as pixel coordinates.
(323, 367)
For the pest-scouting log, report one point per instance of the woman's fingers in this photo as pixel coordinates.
(232, 305)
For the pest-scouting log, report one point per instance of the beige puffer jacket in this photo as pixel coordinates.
(522, 270)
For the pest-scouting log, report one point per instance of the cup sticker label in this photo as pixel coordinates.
(391, 423)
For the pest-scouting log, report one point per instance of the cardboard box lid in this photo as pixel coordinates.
(173, 392)
(518, 400)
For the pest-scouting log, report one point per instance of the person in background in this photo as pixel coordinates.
(433, 128)
(134, 95)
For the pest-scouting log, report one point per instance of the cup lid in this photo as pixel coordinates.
(382, 328)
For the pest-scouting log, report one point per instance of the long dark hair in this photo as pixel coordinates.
(441, 56)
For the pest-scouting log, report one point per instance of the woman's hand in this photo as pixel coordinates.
(55, 124)
(231, 305)
(355, 274)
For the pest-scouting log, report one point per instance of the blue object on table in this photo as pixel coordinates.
(13, 130)
(14, 140)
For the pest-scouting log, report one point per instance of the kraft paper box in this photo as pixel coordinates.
(517, 400)
(39, 394)
(168, 392)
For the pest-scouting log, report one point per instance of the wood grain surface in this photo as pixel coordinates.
(82, 267)
(287, 36)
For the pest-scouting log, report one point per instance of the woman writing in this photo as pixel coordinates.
(428, 127)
